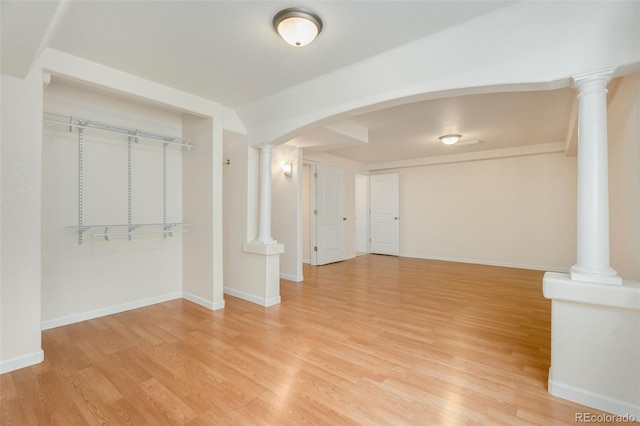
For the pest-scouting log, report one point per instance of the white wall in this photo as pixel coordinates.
(201, 264)
(234, 206)
(351, 168)
(20, 294)
(624, 177)
(286, 210)
(516, 211)
(79, 279)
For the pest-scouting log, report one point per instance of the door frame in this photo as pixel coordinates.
(314, 216)
(366, 216)
(390, 218)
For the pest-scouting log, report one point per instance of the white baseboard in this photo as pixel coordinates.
(593, 399)
(21, 361)
(272, 301)
(487, 262)
(291, 277)
(307, 261)
(252, 298)
(203, 302)
(70, 319)
(37, 357)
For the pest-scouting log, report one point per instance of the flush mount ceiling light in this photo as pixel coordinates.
(449, 139)
(297, 26)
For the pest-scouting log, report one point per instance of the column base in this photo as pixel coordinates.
(606, 276)
(260, 281)
(262, 248)
(265, 242)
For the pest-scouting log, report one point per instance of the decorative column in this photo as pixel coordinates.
(264, 221)
(261, 263)
(593, 181)
(595, 344)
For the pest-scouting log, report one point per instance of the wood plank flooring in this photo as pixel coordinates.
(373, 340)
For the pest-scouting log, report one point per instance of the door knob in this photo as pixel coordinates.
(395, 218)
(344, 218)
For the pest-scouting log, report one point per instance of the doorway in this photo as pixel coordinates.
(385, 216)
(328, 219)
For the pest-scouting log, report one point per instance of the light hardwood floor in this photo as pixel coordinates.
(372, 340)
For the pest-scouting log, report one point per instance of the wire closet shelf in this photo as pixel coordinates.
(166, 229)
(137, 134)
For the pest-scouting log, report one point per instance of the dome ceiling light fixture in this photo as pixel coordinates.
(297, 26)
(450, 139)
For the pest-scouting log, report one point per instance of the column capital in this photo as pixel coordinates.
(265, 146)
(602, 75)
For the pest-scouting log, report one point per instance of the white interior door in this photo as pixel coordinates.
(385, 216)
(329, 215)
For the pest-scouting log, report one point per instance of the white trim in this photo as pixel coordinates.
(263, 249)
(202, 301)
(520, 151)
(252, 298)
(292, 277)
(564, 288)
(605, 73)
(70, 67)
(351, 256)
(307, 261)
(71, 319)
(488, 262)
(21, 361)
(314, 217)
(272, 301)
(593, 399)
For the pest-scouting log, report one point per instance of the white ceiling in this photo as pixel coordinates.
(497, 120)
(227, 51)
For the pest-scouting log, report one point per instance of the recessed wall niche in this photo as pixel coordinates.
(121, 183)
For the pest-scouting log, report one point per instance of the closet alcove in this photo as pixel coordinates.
(118, 208)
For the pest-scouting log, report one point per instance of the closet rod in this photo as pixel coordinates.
(137, 134)
(132, 225)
